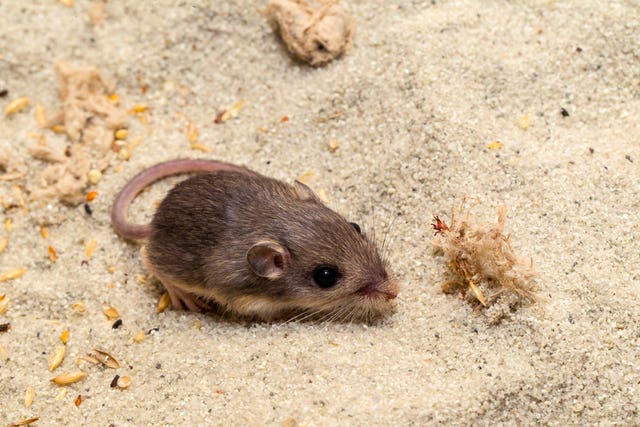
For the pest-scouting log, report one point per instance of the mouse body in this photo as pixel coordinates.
(255, 246)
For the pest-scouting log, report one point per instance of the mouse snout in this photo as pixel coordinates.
(385, 288)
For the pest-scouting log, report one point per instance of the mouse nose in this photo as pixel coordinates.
(391, 289)
(388, 289)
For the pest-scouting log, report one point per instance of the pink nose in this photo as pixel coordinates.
(388, 289)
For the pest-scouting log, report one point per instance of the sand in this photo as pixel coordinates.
(413, 108)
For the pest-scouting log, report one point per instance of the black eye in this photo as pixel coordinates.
(356, 226)
(325, 276)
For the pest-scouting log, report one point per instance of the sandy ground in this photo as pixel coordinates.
(427, 86)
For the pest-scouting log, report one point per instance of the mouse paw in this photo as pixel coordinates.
(182, 300)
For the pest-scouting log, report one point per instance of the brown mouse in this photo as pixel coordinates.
(255, 246)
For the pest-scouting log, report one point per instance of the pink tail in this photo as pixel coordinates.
(131, 231)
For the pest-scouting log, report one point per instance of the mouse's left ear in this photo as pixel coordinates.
(268, 259)
(305, 192)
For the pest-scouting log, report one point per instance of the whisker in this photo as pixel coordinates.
(349, 315)
(333, 314)
(309, 315)
(327, 317)
(294, 318)
(374, 237)
(384, 249)
(336, 313)
(330, 316)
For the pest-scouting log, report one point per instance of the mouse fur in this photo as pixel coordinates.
(258, 247)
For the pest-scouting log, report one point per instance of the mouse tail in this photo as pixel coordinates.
(148, 176)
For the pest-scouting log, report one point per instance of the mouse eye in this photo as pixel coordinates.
(356, 226)
(325, 276)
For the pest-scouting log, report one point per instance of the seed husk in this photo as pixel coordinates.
(124, 381)
(12, 274)
(305, 178)
(200, 147)
(56, 358)
(53, 256)
(29, 394)
(233, 111)
(90, 247)
(495, 145)
(4, 304)
(3, 244)
(64, 336)
(140, 108)
(111, 313)
(92, 195)
(323, 196)
(524, 122)
(88, 358)
(163, 303)
(41, 117)
(139, 336)
(61, 393)
(106, 359)
(192, 132)
(79, 307)
(17, 105)
(4, 354)
(477, 293)
(24, 422)
(121, 134)
(69, 377)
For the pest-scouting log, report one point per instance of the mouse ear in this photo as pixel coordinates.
(304, 192)
(268, 259)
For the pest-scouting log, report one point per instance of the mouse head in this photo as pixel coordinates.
(319, 263)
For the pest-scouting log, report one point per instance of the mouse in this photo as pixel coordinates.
(232, 239)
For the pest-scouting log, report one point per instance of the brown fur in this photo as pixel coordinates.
(203, 230)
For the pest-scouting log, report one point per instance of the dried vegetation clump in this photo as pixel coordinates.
(316, 33)
(483, 267)
(89, 118)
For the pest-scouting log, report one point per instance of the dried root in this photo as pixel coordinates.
(483, 267)
(315, 34)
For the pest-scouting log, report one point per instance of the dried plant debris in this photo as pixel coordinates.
(85, 101)
(103, 357)
(316, 33)
(69, 378)
(89, 119)
(483, 266)
(24, 422)
(10, 170)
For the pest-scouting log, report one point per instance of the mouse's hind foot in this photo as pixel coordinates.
(180, 299)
